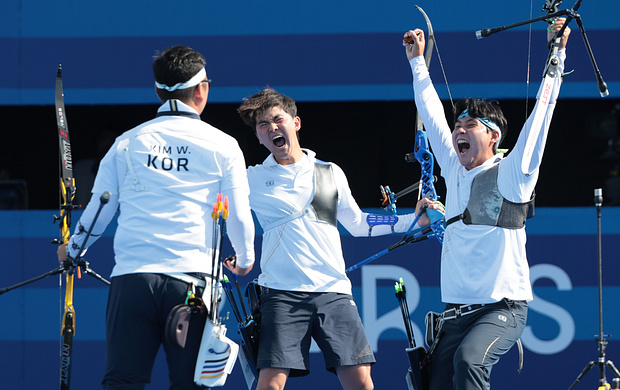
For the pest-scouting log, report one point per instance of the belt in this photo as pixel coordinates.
(460, 311)
(189, 279)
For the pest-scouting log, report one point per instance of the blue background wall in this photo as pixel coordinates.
(316, 51)
(558, 341)
(342, 61)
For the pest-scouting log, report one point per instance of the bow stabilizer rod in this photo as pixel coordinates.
(551, 6)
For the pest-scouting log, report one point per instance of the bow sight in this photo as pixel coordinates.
(552, 6)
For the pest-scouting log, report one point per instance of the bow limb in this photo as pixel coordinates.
(67, 182)
(427, 59)
(430, 39)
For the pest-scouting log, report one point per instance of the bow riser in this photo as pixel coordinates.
(427, 163)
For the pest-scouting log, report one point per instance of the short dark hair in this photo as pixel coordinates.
(254, 106)
(175, 65)
(483, 108)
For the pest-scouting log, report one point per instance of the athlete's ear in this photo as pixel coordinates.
(202, 92)
(496, 135)
(297, 121)
(159, 97)
(199, 98)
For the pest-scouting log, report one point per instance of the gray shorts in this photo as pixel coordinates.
(290, 319)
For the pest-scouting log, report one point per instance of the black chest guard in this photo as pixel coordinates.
(325, 201)
(486, 206)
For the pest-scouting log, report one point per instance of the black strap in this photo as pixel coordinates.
(454, 219)
(174, 111)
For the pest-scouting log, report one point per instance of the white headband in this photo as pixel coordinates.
(197, 79)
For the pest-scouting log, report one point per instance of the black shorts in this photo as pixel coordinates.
(290, 319)
(138, 307)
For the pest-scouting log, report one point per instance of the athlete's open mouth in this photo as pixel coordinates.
(278, 141)
(462, 145)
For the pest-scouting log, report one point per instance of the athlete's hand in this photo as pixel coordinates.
(414, 43)
(61, 252)
(425, 204)
(231, 263)
(555, 27)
